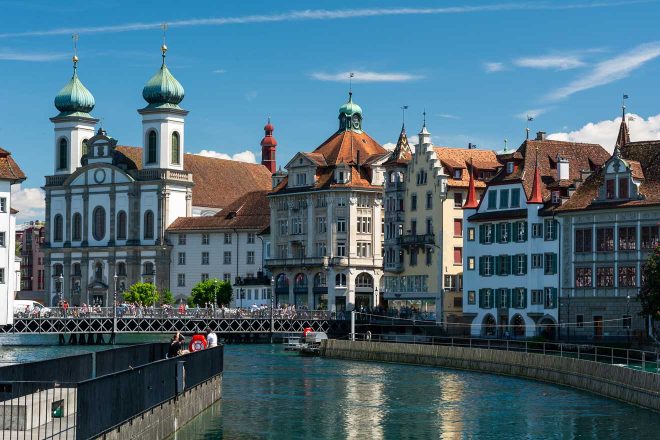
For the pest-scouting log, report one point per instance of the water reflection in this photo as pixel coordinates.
(363, 404)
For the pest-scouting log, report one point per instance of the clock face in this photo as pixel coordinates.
(356, 121)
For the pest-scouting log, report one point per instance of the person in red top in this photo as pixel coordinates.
(65, 306)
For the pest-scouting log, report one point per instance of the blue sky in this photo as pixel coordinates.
(476, 67)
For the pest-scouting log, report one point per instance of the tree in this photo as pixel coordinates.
(166, 297)
(144, 294)
(207, 292)
(649, 294)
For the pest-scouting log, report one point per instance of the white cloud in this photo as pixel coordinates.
(610, 70)
(533, 112)
(319, 14)
(29, 202)
(605, 132)
(558, 62)
(251, 95)
(244, 156)
(11, 55)
(494, 66)
(389, 146)
(366, 76)
(448, 116)
(219, 71)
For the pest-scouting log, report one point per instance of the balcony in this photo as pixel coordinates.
(416, 240)
(396, 267)
(56, 180)
(260, 280)
(296, 262)
(162, 174)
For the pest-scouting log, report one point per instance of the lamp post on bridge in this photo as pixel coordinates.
(114, 309)
(628, 318)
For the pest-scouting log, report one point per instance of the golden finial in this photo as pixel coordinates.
(163, 48)
(74, 37)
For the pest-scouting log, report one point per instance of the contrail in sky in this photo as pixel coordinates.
(322, 14)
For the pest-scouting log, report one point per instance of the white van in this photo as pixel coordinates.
(24, 308)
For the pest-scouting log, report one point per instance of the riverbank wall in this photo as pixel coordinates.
(621, 383)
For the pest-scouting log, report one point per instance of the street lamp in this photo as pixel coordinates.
(241, 293)
(114, 310)
(628, 317)
(60, 289)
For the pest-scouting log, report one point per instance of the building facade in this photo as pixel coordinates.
(30, 238)
(512, 238)
(326, 221)
(610, 226)
(424, 263)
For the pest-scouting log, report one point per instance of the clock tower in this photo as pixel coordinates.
(350, 116)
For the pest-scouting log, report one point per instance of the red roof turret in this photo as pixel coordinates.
(268, 144)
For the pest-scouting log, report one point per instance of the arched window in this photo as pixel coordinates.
(121, 269)
(76, 227)
(85, 148)
(121, 225)
(176, 150)
(98, 223)
(152, 147)
(282, 283)
(62, 154)
(300, 283)
(75, 270)
(58, 270)
(148, 268)
(364, 280)
(98, 271)
(58, 228)
(320, 280)
(340, 280)
(148, 225)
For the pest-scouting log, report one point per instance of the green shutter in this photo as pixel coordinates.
(525, 266)
(497, 267)
(508, 297)
(524, 226)
(497, 299)
(481, 298)
(481, 233)
(498, 238)
(481, 265)
(554, 297)
(524, 304)
(509, 228)
(554, 264)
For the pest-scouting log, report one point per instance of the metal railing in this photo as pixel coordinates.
(638, 359)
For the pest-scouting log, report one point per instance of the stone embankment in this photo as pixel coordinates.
(617, 382)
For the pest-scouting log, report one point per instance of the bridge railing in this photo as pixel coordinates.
(644, 360)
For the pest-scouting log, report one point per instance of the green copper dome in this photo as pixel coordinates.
(350, 108)
(163, 90)
(74, 98)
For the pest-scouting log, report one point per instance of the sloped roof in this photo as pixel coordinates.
(250, 211)
(9, 169)
(343, 146)
(402, 152)
(460, 158)
(218, 182)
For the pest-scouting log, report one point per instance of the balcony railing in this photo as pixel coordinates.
(56, 180)
(304, 261)
(394, 267)
(162, 174)
(252, 281)
(416, 240)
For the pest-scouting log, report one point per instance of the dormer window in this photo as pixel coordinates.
(624, 189)
(610, 191)
(457, 173)
(556, 197)
(342, 175)
(301, 179)
(509, 167)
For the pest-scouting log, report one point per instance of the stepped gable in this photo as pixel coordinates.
(218, 182)
(9, 169)
(581, 156)
(644, 160)
(249, 211)
(460, 158)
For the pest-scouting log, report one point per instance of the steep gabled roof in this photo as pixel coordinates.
(459, 158)
(343, 146)
(9, 169)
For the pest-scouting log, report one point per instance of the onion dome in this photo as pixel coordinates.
(74, 99)
(350, 108)
(163, 90)
(268, 140)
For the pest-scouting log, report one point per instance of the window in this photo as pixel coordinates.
(650, 237)
(204, 277)
(458, 255)
(227, 238)
(624, 192)
(504, 198)
(76, 227)
(364, 225)
(457, 173)
(627, 238)
(503, 263)
(492, 199)
(250, 237)
(176, 149)
(85, 149)
(413, 202)
(520, 264)
(509, 167)
(205, 258)
(579, 321)
(605, 276)
(341, 248)
(549, 264)
(503, 232)
(486, 298)
(283, 224)
(182, 258)
(627, 276)
(182, 239)
(181, 280)
(297, 226)
(98, 271)
(486, 265)
(550, 227)
(152, 149)
(364, 280)
(148, 268)
(321, 225)
(2, 275)
(429, 257)
(340, 280)
(486, 233)
(429, 226)
(458, 200)
(413, 227)
(98, 224)
(550, 297)
(537, 296)
(605, 239)
(341, 225)
(148, 225)
(515, 198)
(2, 239)
(363, 249)
(610, 193)
(537, 230)
(470, 263)
(122, 225)
(226, 277)
(471, 297)
(250, 257)
(583, 277)
(537, 261)
(321, 250)
(429, 200)
(458, 227)
(301, 179)
(413, 256)
(62, 155)
(555, 197)
(226, 257)
(341, 201)
(3, 204)
(470, 234)
(519, 298)
(121, 269)
(206, 239)
(583, 238)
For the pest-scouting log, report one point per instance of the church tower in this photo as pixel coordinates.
(163, 120)
(268, 145)
(73, 125)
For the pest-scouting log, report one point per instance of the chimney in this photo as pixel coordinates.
(562, 168)
(540, 136)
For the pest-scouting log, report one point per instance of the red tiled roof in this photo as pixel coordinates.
(344, 145)
(250, 211)
(460, 158)
(9, 169)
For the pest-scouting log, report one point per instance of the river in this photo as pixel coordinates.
(272, 394)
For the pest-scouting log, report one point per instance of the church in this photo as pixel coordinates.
(109, 206)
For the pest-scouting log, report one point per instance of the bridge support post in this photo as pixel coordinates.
(61, 339)
(73, 339)
(352, 325)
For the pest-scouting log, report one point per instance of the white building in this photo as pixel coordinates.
(511, 257)
(326, 221)
(108, 206)
(10, 174)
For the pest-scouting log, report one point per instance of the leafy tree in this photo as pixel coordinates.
(166, 297)
(206, 292)
(144, 294)
(649, 294)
